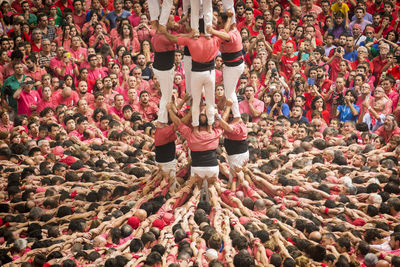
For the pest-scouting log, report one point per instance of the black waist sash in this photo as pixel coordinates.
(165, 153)
(232, 59)
(164, 60)
(206, 158)
(234, 147)
(203, 66)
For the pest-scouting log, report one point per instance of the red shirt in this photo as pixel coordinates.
(160, 43)
(164, 135)
(69, 102)
(202, 49)
(287, 63)
(378, 66)
(239, 131)
(387, 136)
(114, 110)
(36, 75)
(148, 112)
(96, 74)
(278, 46)
(201, 141)
(26, 100)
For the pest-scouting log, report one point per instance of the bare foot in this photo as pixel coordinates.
(162, 28)
(159, 124)
(154, 24)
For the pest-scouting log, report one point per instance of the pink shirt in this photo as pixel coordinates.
(36, 75)
(132, 44)
(164, 135)
(55, 63)
(202, 141)
(148, 112)
(78, 53)
(160, 43)
(96, 74)
(257, 104)
(387, 136)
(239, 131)
(114, 110)
(69, 102)
(144, 33)
(26, 100)
(203, 49)
(394, 96)
(43, 104)
(234, 44)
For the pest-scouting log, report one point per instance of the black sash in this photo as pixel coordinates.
(234, 147)
(232, 59)
(203, 66)
(206, 158)
(164, 60)
(165, 153)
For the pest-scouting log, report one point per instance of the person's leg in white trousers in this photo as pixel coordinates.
(202, 79)
(187, 66)
(166, 80)
(196, 88)
(207, 14)
(229, 5)
(194, 14)
(209, 92)
(154, 10)
(231, 76)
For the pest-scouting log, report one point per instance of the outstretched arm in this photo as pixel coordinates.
(175, 119)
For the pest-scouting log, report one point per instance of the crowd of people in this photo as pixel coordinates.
(200, 133)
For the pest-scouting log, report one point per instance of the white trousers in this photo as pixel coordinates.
(168, 167)
(231, 76)
(154, 10)
(228, 5)
(200, 80)
(237, 160)
(187, 66)
(166, 80)
(195, 13)
(205, 172)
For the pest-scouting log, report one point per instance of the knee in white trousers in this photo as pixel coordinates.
(231, 76)
(200, 80)
(166, 80)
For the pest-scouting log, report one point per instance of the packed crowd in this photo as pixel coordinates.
(188, 133)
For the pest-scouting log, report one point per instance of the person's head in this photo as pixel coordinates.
(395, 241)
(144, 97)
(351, 95)
(249, 92)
(390, 123)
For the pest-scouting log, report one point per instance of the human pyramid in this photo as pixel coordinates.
(203, 133)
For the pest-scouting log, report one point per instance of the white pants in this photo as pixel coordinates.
(168, 167)
(200, 80)
(185, 6)
(154, 9)
(237, 160)
(195, 13)
(205, 172)
(231, 76)
(166, 80)
(187, 66)
(228, 5)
